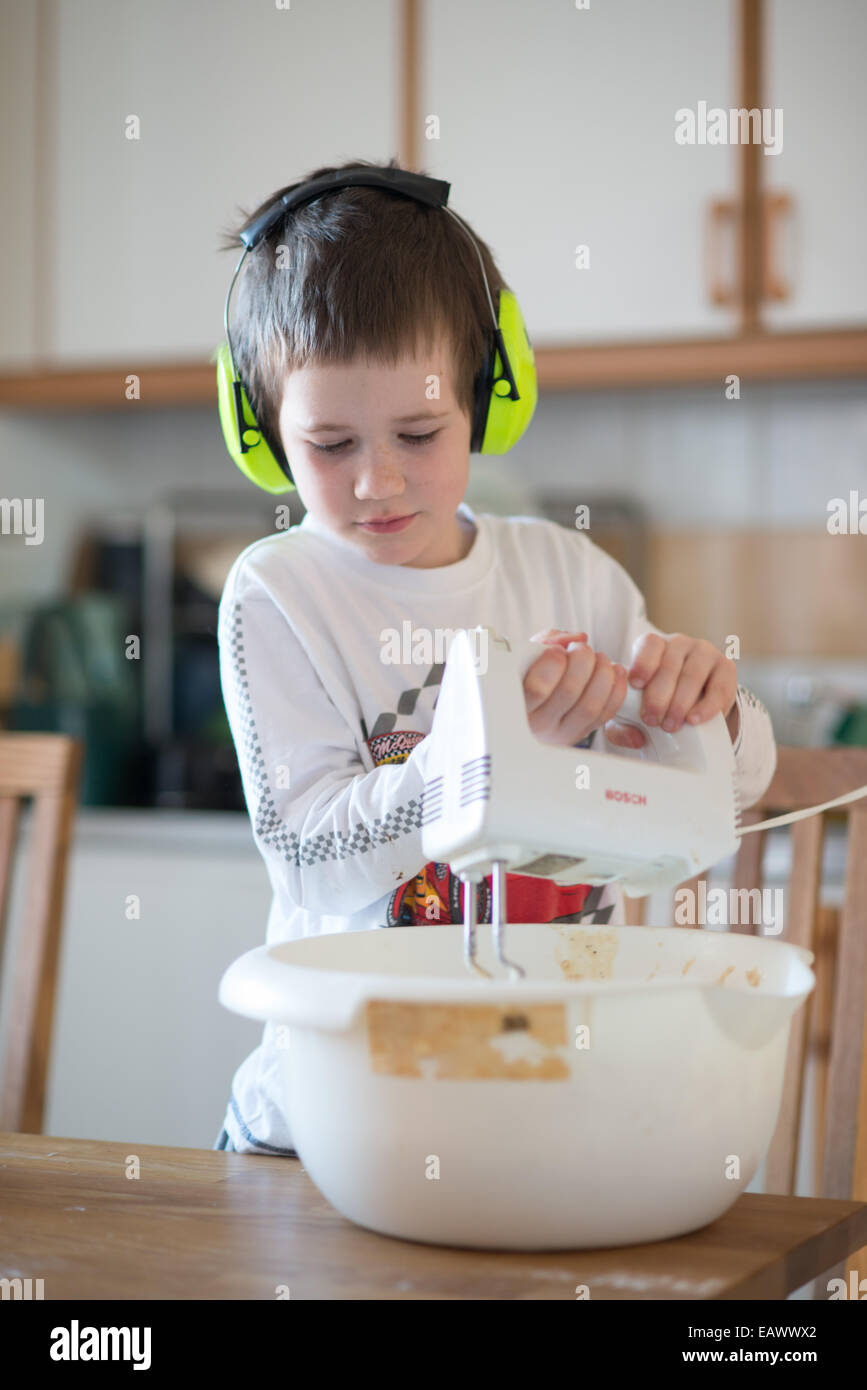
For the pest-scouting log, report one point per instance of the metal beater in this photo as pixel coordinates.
(498, 920)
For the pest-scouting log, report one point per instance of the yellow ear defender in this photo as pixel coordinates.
(505, 388)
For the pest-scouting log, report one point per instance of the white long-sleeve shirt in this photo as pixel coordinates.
(331, 737)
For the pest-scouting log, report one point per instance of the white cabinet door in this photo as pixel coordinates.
(815, 59)
(142, 1048)
(235, 100)
(557, 130)
(19, 118)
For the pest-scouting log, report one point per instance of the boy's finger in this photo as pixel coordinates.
(690, 683)
(618, 693)
(647, 653)
(623, 735)
(558, 636)
(660, 688)
(573, 684)
(598, 689)
(543, 676)
(590, 678)
(716, 699)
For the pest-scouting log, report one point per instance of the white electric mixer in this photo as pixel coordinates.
(500, 799)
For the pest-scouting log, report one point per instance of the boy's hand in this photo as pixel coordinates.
(683, 678)
(572, 690)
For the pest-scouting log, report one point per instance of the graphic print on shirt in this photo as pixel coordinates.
(435, 895)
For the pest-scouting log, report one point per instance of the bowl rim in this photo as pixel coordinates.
(259, 983)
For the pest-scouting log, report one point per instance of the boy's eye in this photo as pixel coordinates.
(412, 439)
(420, 438)
(329, 448)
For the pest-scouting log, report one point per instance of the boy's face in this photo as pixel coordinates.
(373, 420)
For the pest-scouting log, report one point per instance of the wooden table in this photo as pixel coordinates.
(200, 1224)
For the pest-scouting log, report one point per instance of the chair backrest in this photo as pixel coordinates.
(831, 1026)
(46, 767)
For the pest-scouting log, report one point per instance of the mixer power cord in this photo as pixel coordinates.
(801, 815)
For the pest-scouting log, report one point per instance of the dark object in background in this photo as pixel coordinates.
(197, 776)
(75, 679)
(852, 727)
(182, 755)
(196, 683)
(118, 569)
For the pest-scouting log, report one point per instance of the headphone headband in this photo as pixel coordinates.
(433, 192)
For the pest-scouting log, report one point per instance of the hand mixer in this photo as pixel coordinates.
(499, 798)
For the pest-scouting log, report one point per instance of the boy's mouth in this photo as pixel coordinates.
(388, 524)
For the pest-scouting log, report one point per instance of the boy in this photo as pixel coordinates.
(381, 297)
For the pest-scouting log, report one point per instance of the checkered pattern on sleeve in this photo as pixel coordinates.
(268, 827)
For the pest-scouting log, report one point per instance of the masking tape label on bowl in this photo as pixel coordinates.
(468, 1042)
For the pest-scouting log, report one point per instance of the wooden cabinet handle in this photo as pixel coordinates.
(774, 206)
(722, 212)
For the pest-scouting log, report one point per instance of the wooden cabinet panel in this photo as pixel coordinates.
(785, 593)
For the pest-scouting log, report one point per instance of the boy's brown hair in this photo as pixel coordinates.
(360, 272)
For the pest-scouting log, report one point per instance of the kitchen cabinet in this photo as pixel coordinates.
(234, 101)
(19, 126)
(158, 905)
(556, 128)
(814, 72)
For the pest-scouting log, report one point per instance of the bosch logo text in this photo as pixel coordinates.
(635, 798)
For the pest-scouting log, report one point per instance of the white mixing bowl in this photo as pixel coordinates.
(626, 1091)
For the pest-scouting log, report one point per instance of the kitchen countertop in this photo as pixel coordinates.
(146, 827)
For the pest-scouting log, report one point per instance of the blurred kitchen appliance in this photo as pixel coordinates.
(615, 523)
(168, 565)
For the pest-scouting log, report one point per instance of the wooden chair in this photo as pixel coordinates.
(46, 767)
(831, 1029)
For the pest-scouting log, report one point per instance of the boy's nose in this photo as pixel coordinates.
(379, 477)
